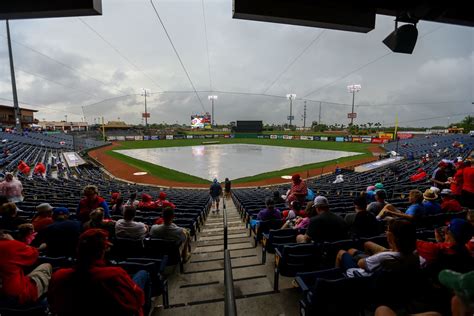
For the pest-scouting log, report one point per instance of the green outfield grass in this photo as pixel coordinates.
(174, 175)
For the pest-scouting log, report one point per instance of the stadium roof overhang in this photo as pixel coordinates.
(354, 16)
(35, 9)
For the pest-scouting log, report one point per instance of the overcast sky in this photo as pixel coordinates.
(67, 66)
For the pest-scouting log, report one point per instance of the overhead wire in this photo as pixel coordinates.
(64, 64)
(294, 61)
(207, 45)
(177, 54)
(115, 49)
(363, 66)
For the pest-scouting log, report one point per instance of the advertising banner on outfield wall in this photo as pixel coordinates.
(287, 137)
(347, 139)
(180, 136)
(324, 138)
(366, 139)
(316, 138)
(120, 137)
(138, 137)
(404, 135)
(129, 137)
(111, 138)
(227, 136)
(379, 141)
(169, 136)
(189, 136)
(155, 138)
(339, 139)
(386, 135)
(356, 139)
(273, 136)
(306, 137)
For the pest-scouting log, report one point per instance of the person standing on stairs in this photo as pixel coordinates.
(215, 191)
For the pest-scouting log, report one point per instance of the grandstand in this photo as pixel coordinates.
(77, 237)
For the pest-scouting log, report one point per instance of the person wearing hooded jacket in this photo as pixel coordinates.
(90, 202)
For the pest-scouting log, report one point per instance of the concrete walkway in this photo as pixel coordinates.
(200, 289)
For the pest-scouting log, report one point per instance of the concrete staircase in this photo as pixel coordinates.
(200, 289)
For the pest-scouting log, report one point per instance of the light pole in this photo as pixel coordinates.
(145, 93)
(16, 107)
(291, 97)
(212, 98)
(353, 88)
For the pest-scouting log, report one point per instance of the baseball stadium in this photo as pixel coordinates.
(285, 158)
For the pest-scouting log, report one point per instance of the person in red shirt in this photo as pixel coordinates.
(456, 181)
(298, 190)
(146, 202)
(40, 169)
(92, 288)
(90, 202)
(15, 257)
(162, 202)
(43, 216)
(456, 236)
(449, 204)
(467, 194)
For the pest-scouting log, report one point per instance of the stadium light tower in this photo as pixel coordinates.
(353, 88)
(291, 97)
(146, 115)
(212, 98)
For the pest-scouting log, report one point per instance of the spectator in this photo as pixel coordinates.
(415, 210)
(114, 197)
(379, 203)
(467, 194)
(440, 178)
(92, 288)
(97, 221)
(462, 303)
(132, 200)
(146, 202)
(227, 185)
(449, 203)
(43, 216)
(298, 190)
(295, 209)
(401, 238)
(326, 226)
(90, 202)
(429, 203)
(170, 231)
(302, 222)
(162, 202)
(215, 191)
(26, 233)
(9, 217)
(456, 182)
(16, 256)
(39, 169)
(362, 223)
(12, 188)
(117, 208)
(128, 228)
(370, 194)
(62, 235)
(270, 212)
(277, 199)
(451, 242)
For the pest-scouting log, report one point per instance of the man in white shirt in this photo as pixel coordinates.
(128, 228)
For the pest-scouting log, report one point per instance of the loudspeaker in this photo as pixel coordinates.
(403, 39)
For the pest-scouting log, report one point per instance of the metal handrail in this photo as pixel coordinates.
(229, 297)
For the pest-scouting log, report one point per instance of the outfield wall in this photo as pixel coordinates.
(353, 139)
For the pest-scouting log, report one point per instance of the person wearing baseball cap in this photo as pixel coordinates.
(449, 203)
(440, 178)
(43, 216)
(92, 288)
(463, 286)
(326, 226)
(451, 243)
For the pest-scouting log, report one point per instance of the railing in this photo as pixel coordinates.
(229, 297)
